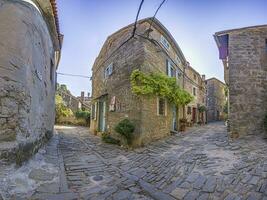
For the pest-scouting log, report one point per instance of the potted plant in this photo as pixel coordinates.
(183, 124)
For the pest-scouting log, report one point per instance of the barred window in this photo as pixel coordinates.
(161, 106)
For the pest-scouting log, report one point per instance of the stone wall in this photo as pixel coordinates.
(247, 80)
(216, 99)
(27, 80)
(194, 80)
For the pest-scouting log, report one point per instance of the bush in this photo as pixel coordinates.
(61, 109)
(126, 129)
(80, 114)
(108, 139)
(265, 123)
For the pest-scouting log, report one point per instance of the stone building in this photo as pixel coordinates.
(244, 55)
(75, 103)
(216, 99)
(195, 85)
(30, 45)
(151, 49)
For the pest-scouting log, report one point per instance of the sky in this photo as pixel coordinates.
(86, 24)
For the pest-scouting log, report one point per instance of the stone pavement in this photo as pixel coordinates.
(201, 164)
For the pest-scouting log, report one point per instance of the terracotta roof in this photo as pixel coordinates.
(54, 6)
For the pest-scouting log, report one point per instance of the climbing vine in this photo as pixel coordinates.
(160, 85)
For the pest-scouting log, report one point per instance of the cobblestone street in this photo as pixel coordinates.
(201, 164)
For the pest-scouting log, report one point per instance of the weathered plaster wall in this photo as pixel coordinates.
(26, 87)
(247, 80)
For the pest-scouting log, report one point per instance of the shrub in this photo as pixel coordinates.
(126, 129)
(80, 114)
(61, 109)
(108, 139)
(202, 109)
(265, 123)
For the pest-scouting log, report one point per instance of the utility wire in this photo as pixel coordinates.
(135, 24)
(136, 18)
(82, 76)
(153, 18)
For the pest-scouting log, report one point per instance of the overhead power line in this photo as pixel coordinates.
(76, 75)
(156, 13)
(136, 18)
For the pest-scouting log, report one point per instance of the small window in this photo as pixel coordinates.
(189, 110)
(178, 60)
(108, 71)
(165, 42)
(51, 70)
(171, 71)
(161, 106)
(194, 91)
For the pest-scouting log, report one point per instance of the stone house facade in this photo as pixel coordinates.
(151, 49)
(195, 85)
(29, 55)
(244, 55)
(216, 99)
(75, 103)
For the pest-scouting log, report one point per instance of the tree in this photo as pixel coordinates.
(61, 109)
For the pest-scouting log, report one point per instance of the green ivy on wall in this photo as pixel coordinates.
(159, 84)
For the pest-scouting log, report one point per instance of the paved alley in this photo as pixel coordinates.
(201, 164)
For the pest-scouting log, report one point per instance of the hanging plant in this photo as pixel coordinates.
(158, 84)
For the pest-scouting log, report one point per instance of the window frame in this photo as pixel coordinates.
(108, 71)
(169, 71)
(194, 91)
(158, 106)
(165, 42)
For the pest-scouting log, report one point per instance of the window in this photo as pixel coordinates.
(195, 77)
(266, 45)
(189, 110)
(161, 106)
(171, 72)
(164, 42)
(51, 70)
(194, 91)
(178, 60)
(108, 71)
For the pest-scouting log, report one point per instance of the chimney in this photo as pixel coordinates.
(203, 77)
(82, 96)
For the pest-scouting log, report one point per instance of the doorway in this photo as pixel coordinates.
(174, 118)
(194, 115)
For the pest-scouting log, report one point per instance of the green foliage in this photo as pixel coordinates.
(126, 129)
(160, 85)
(83, 114)
(62, 88)
(61, 109)
(265, 122)
(202, 109)
(108, 139)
